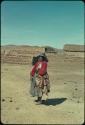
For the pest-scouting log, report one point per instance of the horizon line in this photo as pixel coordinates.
(38, 45)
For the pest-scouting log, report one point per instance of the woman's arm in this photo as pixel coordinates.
(33, 70)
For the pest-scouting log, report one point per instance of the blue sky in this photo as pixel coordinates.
(50, 23)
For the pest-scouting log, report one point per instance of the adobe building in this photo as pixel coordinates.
(74, 50)
(19, 54)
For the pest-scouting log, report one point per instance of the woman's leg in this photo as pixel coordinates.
(39, 95)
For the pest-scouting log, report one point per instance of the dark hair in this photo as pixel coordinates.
(45, 58)
(35, 59)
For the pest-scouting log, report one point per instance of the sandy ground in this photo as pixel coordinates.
(66, 99)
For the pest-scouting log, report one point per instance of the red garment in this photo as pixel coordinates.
(41, 67)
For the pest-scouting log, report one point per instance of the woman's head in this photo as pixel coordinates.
(40, 58)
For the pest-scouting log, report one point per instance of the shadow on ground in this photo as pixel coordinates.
(54, 101)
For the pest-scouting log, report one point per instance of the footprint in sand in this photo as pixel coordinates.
(17, 108)
(76, 89)
(3, 100)
(10, 101)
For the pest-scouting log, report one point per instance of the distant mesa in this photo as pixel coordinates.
(74, 48)
(23, 54)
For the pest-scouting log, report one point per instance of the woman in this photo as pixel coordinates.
(39, 71)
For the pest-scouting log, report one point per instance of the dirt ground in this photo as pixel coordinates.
(66, 99)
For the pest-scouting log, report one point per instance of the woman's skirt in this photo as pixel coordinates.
(42, 84)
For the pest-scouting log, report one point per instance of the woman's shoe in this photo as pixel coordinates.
(39, 102)
(36, 100)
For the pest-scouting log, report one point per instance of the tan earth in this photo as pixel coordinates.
(66, 99)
